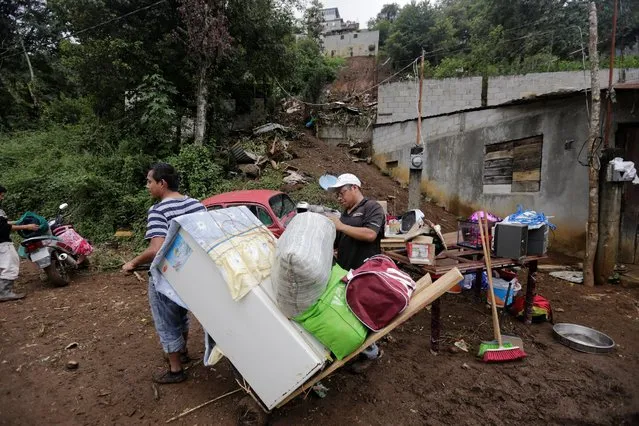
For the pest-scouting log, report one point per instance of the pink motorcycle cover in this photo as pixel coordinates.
(74, 240)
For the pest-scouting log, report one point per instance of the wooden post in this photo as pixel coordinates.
(415, 176)
(592, 234)
(531, 289)
(419, 102)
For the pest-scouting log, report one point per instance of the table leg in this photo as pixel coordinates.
(435, 325)
(477, 285)
(530, 291)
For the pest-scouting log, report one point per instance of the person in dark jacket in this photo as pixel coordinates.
(359, 231)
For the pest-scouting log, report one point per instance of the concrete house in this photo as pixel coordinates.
(345, 39)
(515, 140)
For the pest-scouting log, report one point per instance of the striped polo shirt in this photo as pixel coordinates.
(161, 214)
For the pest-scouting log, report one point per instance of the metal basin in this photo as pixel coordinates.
(583, 339)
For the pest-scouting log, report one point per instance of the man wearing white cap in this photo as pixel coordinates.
(359, 232)
(360, 226)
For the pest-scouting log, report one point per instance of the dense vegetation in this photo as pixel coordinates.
(93, 92)
(496, 37)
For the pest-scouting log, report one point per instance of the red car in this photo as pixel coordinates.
(273, 208)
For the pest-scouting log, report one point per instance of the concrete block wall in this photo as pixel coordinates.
(343, 133)
(632, 74)
(507, 88)
(398, 101)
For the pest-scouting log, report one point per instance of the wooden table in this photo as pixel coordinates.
(467, 260)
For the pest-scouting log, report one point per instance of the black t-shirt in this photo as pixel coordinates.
(5, 230)
(351, 253)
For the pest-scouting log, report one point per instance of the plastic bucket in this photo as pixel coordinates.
(457, 288)
(500, 287)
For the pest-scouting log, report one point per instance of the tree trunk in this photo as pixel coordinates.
(32, 82)
(202, 96)
(592, 235)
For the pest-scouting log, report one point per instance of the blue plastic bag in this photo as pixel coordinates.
(469, 279)
(531, 218)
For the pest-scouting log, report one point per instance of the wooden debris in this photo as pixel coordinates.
(189, 411)
(392, 243)
(250, 170)
(156, 392)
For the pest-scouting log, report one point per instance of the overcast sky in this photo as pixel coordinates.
(359, 10)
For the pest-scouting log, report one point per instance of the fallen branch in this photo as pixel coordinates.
(202, 405)
(139, 277)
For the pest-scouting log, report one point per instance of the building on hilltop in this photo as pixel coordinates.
(345, 39)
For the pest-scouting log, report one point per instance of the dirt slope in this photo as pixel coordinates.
(316, 158)
(358, 74)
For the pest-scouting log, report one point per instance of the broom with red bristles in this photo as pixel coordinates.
(501, 353)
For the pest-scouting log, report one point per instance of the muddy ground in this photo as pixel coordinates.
(117, 351)
(107, 315)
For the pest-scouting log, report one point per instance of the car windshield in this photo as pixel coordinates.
(281, 205)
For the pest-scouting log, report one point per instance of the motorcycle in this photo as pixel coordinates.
(56, 248)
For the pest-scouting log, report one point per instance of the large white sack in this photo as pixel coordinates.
(303, 262)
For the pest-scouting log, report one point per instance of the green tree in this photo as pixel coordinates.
(411, 33)
(28, 35)
(384, 20)
(314, 21)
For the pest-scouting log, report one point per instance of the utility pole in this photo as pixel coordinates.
(592, 233)
(610, 74)
(610, 193)
(417, 152)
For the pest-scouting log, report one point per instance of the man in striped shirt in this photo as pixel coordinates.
(171, 320)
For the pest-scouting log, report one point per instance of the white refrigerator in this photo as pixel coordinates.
(273, 354)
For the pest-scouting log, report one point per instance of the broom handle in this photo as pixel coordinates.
(487, 261)
(489, 272)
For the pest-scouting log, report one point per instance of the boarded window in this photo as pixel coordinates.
(514, 164)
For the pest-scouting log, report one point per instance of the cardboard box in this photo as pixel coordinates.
(421, 250)
(392, 227)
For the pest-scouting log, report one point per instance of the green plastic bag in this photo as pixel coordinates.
(331, 321)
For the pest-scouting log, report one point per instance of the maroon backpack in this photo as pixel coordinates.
(378, 291)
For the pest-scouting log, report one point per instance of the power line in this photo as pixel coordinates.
(357, 94)
(117, 18)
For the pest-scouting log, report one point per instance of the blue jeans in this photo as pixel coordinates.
(171, 320)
